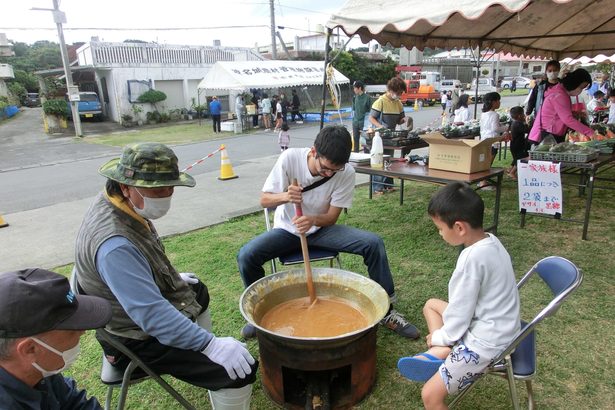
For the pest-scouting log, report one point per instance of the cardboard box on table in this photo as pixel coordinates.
(459, 155)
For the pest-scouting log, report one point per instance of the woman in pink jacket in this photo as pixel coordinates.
(555, 115)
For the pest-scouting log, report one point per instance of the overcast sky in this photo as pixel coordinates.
(298, 16)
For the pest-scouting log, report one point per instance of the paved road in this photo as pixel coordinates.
(47, 183)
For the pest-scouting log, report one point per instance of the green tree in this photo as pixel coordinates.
(18, 91)
(346, 64)
(28, 80)
(356, 67)
(153, 97)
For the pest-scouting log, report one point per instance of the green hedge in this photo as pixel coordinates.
(57, 107)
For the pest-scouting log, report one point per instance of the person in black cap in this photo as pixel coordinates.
(41, 321)
(158, 313)
(361, 106)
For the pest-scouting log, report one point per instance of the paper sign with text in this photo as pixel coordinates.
(540, 187)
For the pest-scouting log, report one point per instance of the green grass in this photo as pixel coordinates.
(166, 134)
(574, 360)
(504, 92)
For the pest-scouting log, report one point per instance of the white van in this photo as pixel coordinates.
(450, 85)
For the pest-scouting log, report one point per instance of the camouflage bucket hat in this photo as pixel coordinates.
(147, 165)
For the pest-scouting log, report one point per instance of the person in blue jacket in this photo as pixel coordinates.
(215, 109)
(41, 322)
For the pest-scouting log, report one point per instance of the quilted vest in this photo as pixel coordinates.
(104, 220)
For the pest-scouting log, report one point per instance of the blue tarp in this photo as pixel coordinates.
(10, 111)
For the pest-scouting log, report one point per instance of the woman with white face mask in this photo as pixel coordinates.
(555, 116)
(538, 92)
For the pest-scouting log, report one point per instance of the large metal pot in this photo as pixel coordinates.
(365, 294)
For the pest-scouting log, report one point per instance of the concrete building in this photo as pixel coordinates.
(121, 72)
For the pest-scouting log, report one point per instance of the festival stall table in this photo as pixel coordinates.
(417, 172)
(587, 173)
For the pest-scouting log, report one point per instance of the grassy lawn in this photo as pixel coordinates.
(166, 134)
(574, 361)
(519, 91)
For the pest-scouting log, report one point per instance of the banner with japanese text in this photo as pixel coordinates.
(540, 187)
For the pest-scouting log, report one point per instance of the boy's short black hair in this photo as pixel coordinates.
(598, 94)
(515, 112)
(334, 143)
(612, 93)
(457, 201)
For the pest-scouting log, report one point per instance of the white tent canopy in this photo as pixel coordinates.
(600, 58)
(244, 75)
(542, 28)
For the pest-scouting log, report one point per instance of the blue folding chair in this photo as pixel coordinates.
(518, 361)
(295, 258)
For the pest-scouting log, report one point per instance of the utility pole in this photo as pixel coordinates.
(274, 47)
(59, 18)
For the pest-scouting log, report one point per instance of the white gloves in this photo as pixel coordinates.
(189, 278)
(230, 354)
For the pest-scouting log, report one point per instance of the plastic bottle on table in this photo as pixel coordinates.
(376, 153)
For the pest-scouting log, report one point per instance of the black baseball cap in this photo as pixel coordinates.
(358, 84)
(34, 301)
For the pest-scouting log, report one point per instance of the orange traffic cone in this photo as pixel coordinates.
(3, 223)
(226, 169)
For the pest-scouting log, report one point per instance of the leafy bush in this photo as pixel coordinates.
(56, 107)
(126, 117)
(152, 97)
(153, 116)
(18, 91)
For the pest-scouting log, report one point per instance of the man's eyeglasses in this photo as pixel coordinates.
(327, 169)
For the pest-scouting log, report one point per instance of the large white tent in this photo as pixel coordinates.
(244, 75)
(544, 28)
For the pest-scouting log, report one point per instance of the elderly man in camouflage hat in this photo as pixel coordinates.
(158, 313)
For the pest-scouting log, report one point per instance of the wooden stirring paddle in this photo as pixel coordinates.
(306, 255)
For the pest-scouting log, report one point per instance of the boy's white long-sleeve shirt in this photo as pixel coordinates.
(483, 306)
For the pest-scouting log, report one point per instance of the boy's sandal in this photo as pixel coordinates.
(419, 370)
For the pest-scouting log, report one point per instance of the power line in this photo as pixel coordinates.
(136, 29)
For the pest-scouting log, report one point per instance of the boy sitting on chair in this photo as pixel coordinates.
(481, 317)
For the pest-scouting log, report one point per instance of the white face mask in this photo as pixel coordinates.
(153, 208)
(552, 75)
(69, 356)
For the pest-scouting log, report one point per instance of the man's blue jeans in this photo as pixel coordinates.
(341, 238)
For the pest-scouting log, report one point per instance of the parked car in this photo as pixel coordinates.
(32, 100)
(450, 85)
(485, 85)
(89, 106)
(522, 82)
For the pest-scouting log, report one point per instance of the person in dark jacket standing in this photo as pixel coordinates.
(537, 95)
(361, 106)
(294, 108)
(41, 322)
(215, 109)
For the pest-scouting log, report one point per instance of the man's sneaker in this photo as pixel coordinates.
(397, 323)
(248, 332)
(299, 122)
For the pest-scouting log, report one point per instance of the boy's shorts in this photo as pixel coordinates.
(462, 367)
